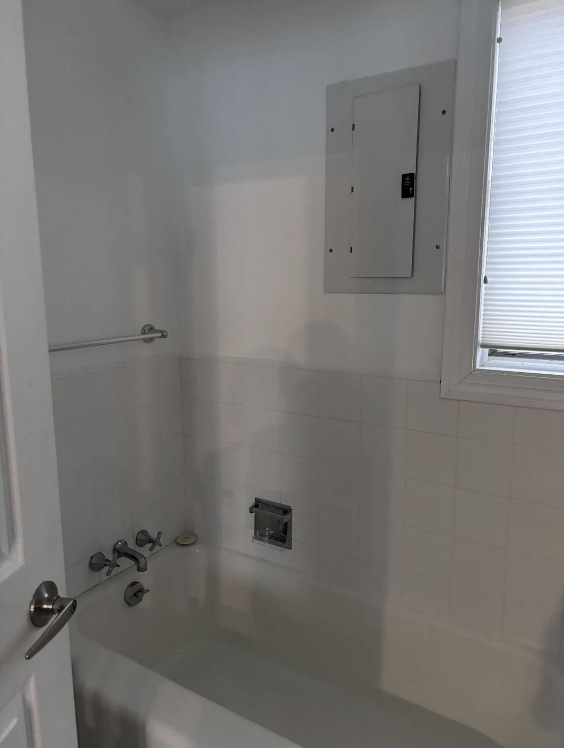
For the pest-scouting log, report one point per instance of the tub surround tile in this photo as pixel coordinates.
(381, 496)
(388, 481)
(74, 448)
(429, 506)
(484, 422)
(298, 435)
(112, 485)
(480, 568)
(532, 626)
(225, 501)
(384, 401)
(298, 391)
(338, 486)
(541, 429)
(383, 450)
(121, 456)
(338, 530)
(262, 469)
(302, 558)
(428, 595)
(262, 429)
(260, 387)
(77, 493)
(216, 462)
(80, 539)
(338, 441)
(189, 417)
(380, 544)
(538, 476)
(484, 467)
(108, 392)
(217, 532)
(115, 521)
(534, 581)
(111, 441)
(431, 458)
(338, 396)
(71, 401)
(152, 382)
(299, 477)
(221, 381)
(146, 511)
(337, 569)
(427, 553)
(172, 526)
(397, 494)
(426, 411)
(481, 518)
(170, 458)
(477, 612)
(188, 378)
(221, 422)
(380, 583)
(80, 578)
(537, 529)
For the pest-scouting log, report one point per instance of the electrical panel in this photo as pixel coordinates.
(389, 140)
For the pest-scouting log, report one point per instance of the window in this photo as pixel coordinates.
(504, 334)
(523, 286)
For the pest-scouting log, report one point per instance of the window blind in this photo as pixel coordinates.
(523, 292)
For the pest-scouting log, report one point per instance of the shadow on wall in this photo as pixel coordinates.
(550, 696)
(313, 462)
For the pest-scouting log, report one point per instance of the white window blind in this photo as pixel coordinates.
(523, 298)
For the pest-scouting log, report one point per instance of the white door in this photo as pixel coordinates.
(36, 700)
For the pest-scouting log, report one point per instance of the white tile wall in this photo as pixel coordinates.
(427, 412)
(431, 458)
(120, 457)
(484, 467)
(455, 509)
(491, 423)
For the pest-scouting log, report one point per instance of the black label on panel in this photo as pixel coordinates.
(408, 185)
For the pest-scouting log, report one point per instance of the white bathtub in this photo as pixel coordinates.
(228, 651)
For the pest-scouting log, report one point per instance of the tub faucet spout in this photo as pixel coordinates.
(122, 550)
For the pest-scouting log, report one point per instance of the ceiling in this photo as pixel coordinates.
(171, 8)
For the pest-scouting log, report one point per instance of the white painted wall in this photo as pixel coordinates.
(246, 113)
(96, 100)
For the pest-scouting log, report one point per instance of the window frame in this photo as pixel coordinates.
(460, 379)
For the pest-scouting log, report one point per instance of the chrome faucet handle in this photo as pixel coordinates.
(134, 593)
(143, 538)
(98, 562)
(113, 564)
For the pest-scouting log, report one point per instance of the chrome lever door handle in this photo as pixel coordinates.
(47, 607)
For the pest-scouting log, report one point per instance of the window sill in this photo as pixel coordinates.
(524, 389)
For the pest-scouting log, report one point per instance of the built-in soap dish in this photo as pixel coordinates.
(273, 523)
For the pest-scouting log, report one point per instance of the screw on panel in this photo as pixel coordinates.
(352, 188)
(332, 129)
(354, 127)
(499, 39)
(350, 250)
(443, 112)
(330, 250)
(486, 281)
(437, 246)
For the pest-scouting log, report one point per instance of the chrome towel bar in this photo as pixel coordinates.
(149, 333)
